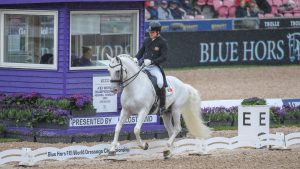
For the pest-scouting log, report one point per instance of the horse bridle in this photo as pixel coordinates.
(120, 80)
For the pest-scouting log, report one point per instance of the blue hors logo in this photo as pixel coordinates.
(294, 46)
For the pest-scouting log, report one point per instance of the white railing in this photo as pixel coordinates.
(28, 157)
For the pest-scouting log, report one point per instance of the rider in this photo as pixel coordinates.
(154, 51)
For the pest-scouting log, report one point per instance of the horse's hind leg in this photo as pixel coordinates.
(177, 126)
(137, 129)
(123, 117)
(167, 118)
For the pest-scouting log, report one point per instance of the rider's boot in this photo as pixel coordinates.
(162, 96)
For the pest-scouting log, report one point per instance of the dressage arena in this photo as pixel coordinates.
(213, 84)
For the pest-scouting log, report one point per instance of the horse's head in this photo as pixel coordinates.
(117, 72)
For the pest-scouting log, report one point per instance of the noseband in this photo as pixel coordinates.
(120, 80)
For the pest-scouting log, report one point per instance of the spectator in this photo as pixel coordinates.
(152, 11)
(289, 6)
(246, 9)
(264, 6)
(175, 10)
(47, 59)
(147, 15)
(164, 12)
(85, 60)
(188, 7)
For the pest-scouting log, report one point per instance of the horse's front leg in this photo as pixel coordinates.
(123, 117)
(137, 129)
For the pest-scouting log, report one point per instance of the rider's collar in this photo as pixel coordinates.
(156, 37)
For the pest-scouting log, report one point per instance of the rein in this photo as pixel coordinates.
(131, 79)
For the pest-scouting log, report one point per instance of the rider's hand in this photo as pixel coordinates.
(147, 62)
(136, 60)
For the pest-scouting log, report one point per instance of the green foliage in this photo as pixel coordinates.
(2, 129)
(64, 103)
(253, 101)
(6, 140)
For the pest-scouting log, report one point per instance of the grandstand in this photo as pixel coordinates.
(210, 9)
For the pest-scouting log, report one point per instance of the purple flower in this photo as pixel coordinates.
(61, 112)
(80, 101)
(222, 109)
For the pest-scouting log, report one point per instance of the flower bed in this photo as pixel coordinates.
(32, 110)
(221, 116)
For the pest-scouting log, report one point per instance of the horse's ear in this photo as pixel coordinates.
(109, 57)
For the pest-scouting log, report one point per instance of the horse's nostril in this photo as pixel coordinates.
(114, 90)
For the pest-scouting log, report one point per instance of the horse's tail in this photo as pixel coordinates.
(192, 115)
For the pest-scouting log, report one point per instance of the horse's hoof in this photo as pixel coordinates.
(112, 153)
(146, 146)
(166, 154)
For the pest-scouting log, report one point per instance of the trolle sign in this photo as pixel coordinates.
(252, 122)
(103, 99)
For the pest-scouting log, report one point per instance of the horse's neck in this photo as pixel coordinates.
(136, 83)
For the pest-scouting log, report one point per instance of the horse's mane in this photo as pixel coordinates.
(129, 60)
(126, 56)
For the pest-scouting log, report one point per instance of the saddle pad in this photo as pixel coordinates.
(169, 89)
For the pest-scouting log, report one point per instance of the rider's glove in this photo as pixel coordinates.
(136, 60)
(147, 62)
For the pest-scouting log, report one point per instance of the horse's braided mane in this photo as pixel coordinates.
(126, 56)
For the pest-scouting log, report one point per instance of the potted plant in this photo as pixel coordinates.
(51, 118)
(81, 106)
(253, 101)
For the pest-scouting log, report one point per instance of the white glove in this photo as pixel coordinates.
(135, 60)
(147, 62)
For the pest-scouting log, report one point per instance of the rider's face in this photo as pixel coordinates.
(153, 34)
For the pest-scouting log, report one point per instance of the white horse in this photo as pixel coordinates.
(139, 95)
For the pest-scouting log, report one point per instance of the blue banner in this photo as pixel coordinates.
(194, 25)
(291, 102)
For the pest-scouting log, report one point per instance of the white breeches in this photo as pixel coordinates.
(155, 71)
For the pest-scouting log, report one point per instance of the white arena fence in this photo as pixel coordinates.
(28, 157)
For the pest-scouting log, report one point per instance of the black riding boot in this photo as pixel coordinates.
(162, 97)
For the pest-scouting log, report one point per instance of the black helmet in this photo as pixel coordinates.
(154, 26)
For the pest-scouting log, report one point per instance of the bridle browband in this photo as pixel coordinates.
(120, 80)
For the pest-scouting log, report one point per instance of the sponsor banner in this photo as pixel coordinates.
(102, 121)
(274, 23)
(83, 151)
(191, 26)
(291, 102)
(103, 99)
(272, 46)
